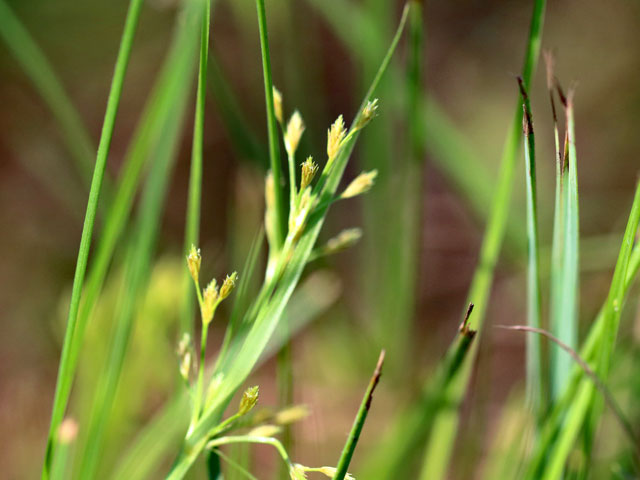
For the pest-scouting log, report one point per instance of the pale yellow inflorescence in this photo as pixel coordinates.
(361, 184)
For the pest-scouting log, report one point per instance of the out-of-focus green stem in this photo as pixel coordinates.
(64, 378)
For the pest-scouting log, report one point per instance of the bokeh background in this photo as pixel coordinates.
(403, 287)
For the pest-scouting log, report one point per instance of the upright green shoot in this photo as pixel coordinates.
(358, 423)
(192, 226)
(535, 386)
(446, 423)
(115, 93)
(564, 320)
(272, 128)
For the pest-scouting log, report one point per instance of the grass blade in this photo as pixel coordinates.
(40, 72)
(581, 402)
(446, 423)
(60, 402)
(192, 225)
(166, 95)
(272, 127)
(395, 455)
(564, 322)
(358, 423)
(535, 390)
(138, 264)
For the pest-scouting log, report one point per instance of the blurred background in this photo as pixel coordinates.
(402, 288)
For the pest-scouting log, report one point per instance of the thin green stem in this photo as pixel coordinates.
(192, 225)
(124, 53)
(272, 129)
(358, 423)
(535, 390)
(445, 428)
(200, 382)
(292, 180)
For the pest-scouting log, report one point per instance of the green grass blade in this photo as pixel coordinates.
(358, 423)
(564, 323)
(579, 406)
(192, 224)
(138, 265)
(40, 72)
(446, 423)
(166, 95)
(272, 128)
(535, 386)
(395, 455)
(60, 403)
(590, 352)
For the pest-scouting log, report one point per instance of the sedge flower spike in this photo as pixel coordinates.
(335, 135)
(249, 400)
(277, 104)
(193, 262)
(369, 112)
(309, 170)
(228, 285)
(295, 129)
(361, 184)
(209, 301)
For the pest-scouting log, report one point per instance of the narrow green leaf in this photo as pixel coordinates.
(192, 224)
(535, 386)
(272, 128)
(445, 427)
(60, 399)
(358, 423)
(564, 324)
(579, 406)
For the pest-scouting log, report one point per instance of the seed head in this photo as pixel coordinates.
(277, 104)
(361, 184)
(228, 285)
(309, 170)
(369, 112)
(209, 301)
(292, 136)
(193, 262)
(335, 135)
(249, 400)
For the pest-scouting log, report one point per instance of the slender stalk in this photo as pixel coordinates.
(445, 427)
(358, 423)
(138, 261)
(535, 390)
(115, 93)
(168, 93)
(192, 225)
(272, 128)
